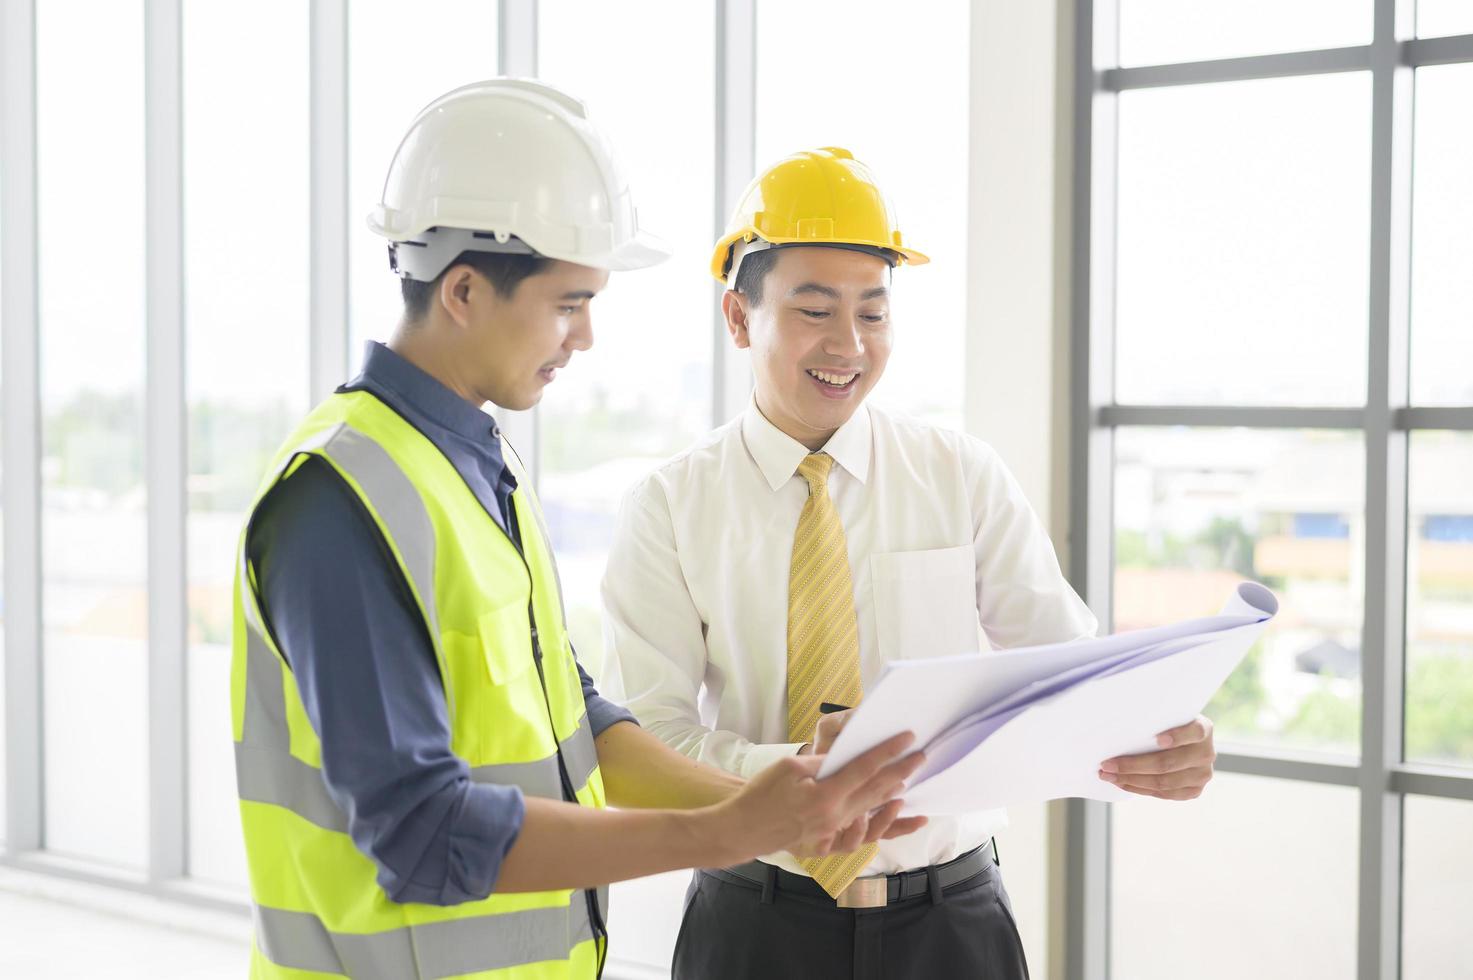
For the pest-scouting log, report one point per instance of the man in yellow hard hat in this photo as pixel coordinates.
(422, 765)
(770, 572)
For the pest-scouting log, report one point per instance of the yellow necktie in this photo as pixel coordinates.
(823, 639)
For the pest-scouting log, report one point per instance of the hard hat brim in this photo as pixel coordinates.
(722, 256)
(639, 252)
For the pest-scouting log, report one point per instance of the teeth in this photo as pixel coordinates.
(837, 380)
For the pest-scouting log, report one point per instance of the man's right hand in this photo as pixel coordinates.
(787, 808)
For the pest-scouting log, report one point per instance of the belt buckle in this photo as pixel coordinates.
(865, 893)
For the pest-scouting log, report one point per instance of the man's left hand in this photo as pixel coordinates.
(1179, 771)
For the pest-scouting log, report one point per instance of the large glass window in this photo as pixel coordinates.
(1438, 864)
(1167, 31)
(397, 62)
(1442, 238)
(1217, 888)
(1439, 684)
(1257, 259)
(1244, 242)
(643, 392)
(246, 307)
(1197, 511)
(918, 155)
(1436, 18)
(93, 496)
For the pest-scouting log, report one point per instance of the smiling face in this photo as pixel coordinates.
(511, 347)
(820, 337)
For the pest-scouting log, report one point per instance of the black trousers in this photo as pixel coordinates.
(729, 933)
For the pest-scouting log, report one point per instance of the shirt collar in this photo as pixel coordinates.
(382, 368)
(778, 454)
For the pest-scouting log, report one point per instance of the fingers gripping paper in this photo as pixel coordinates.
(1034, 723)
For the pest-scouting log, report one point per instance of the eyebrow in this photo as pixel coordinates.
(578, 294)
(813, 287)
(832, 293)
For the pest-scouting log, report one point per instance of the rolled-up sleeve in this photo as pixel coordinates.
(368, 679)
(657, 642)
(602, 713)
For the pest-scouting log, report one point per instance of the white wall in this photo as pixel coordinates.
(1016, 392)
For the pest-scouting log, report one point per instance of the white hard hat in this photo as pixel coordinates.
(508, 165)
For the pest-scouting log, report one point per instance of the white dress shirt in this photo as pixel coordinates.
(946, 555)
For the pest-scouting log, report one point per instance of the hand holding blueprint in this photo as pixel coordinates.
(1034, 723)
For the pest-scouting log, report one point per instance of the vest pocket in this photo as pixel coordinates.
(506, 643)
(497, 712)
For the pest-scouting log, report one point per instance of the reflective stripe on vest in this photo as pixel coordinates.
(399, 506)
(267, 772)
(298, 940)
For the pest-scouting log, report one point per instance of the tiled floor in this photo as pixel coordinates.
(76, 932)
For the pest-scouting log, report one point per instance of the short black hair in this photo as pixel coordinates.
(756, 265)
(752, 272)
(504, 270)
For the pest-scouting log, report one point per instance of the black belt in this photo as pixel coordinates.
(865, 892)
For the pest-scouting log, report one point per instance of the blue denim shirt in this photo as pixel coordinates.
(367, 674)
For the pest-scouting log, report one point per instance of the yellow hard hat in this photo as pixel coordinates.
(816, 197)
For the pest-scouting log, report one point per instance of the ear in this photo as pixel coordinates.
(457, 287)
(734, 307)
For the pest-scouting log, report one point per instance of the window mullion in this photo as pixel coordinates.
(22, 430)
(736, 140)
(328, 251)
(1383, 634)
(164, 443)
(517, 56)
(1086, 899)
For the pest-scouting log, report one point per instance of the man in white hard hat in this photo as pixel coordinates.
(772, 570)
(422, 765)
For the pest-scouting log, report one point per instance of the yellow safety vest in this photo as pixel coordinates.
(490, 614)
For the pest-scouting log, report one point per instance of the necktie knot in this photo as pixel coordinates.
(815, 469)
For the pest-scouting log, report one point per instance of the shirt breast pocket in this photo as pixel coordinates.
(926, 603)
